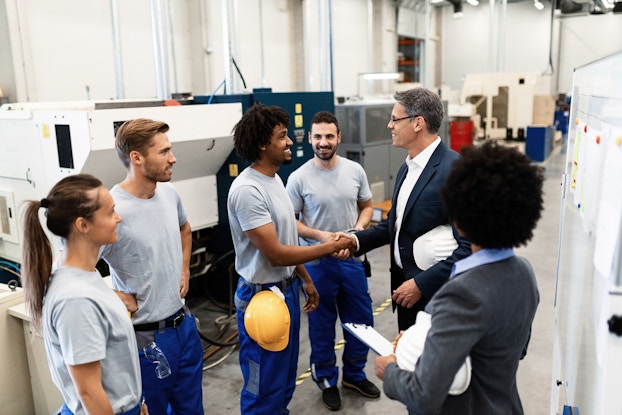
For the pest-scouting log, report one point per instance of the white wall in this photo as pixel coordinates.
(469, 46)
(58, 47)
(576, 40)
(585, 40)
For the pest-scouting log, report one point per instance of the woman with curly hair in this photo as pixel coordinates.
(89, 338)
(494, 198)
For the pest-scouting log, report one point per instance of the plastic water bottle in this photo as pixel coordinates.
(155, 355)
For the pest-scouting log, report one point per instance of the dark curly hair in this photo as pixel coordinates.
(494, 195)
(255, 129)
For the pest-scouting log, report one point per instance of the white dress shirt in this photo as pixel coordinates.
(415, 167)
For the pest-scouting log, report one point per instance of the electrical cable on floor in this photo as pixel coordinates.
(225, 321)
(219, 361)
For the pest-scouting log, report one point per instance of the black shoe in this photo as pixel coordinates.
(331, 398)
(364, 387)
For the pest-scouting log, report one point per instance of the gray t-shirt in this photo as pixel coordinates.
(147, 259)
(84, 321)
(327, 199)
(256, 200)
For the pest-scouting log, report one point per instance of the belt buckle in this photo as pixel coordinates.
(179, 319)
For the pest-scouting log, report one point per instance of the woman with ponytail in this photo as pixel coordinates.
(89, 338)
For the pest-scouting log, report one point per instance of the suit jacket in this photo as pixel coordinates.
(486, 313)
(424, 211)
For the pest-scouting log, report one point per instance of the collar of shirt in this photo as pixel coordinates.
(482, 257)
(421, 159)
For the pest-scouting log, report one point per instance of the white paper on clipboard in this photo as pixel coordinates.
(370, 337)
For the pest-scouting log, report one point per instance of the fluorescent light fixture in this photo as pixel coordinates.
(374, 76)
(473, 2)
(538, 5)
(379, 75)
(436, 1)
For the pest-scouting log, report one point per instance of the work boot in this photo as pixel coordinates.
(331, 398)
(364, 387)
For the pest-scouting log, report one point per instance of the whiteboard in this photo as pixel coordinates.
(589, 281)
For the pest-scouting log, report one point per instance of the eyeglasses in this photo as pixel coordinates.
(395, 120)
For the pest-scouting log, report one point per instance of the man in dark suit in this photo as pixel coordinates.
(416, 204)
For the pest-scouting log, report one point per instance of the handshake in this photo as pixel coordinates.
(344, 244)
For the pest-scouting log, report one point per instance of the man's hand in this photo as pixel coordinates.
(129, 300)
(184, 284)
(312, 296)
(381, 364)
(325, 236)
(407, 294)
(347, 252)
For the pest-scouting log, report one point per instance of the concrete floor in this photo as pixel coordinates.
(223, 381)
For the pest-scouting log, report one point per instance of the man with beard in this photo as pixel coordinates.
(331, 194)
(150, 268)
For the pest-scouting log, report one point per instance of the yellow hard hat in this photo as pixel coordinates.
(267, 321)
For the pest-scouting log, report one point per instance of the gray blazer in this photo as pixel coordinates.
(485, 312)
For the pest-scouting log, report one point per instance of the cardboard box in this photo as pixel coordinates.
(543, 110)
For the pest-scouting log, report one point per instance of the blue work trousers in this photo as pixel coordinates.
(269, 377)
(343, 290)
(181, 392)
(64, 410)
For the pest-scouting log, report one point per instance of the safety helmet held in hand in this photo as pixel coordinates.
(267, 321)
(434, 246)
(410, 346)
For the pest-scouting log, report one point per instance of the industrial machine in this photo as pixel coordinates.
(366, 140)
(506, 103)
(40, 143)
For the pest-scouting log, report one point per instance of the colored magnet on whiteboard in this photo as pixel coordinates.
(576, 121)
(618, 141)
(597, 139)
(585, 128)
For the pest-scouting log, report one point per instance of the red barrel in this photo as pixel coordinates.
(460, 134)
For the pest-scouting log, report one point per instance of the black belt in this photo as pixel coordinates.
(283, 285)
(173, 321)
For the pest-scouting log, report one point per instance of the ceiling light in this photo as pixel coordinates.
(473, 2)
(538, 5)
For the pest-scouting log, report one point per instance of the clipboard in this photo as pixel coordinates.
(369, 336)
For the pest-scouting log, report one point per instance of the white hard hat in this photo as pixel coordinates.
(410, 346)
(434, 246)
